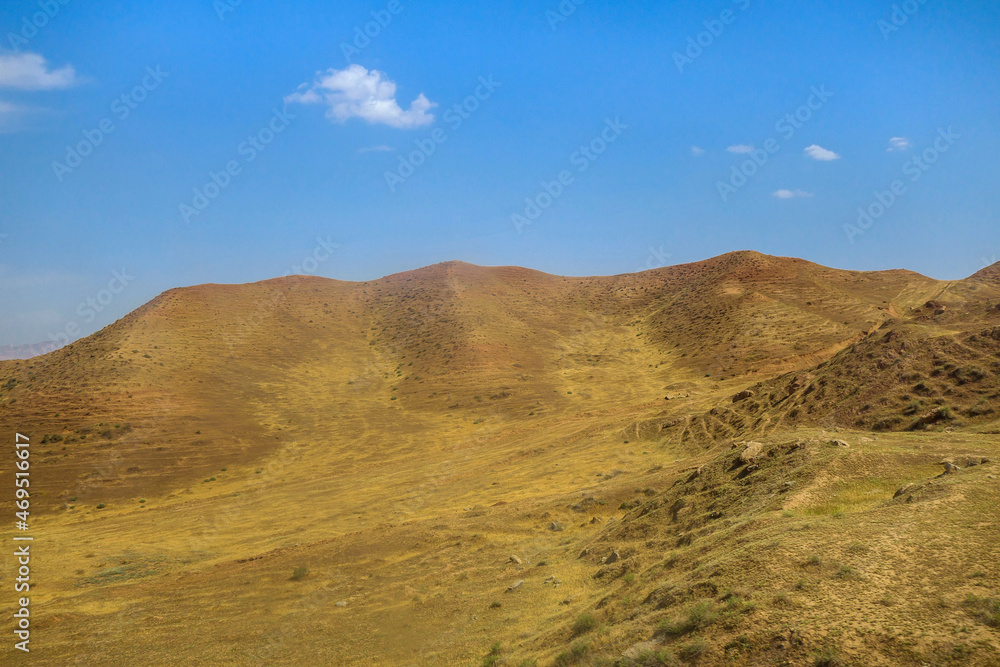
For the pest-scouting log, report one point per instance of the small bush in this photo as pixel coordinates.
(828, 657)
(699, 616)
(739, 645)
(493, 657)
(573, 656)
(584, 624)
(693, 651)
(986, 610)
(299, 573)
(846, 571)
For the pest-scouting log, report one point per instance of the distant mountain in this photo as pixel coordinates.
(26, 351)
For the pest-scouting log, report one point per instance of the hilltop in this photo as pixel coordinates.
(420, 443)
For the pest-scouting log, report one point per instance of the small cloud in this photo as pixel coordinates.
(376, 149)
(791, 194)
(356, 92)
(697, 150)
(820, 153)
(740, 148)
(29, 71)
(898, 144)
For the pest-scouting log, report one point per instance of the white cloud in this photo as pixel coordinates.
(740, 148)
(356, 92)
(697, 150)
(376, 149)
(791, 194)
(898, 144)
(29, 71)
(820, 153)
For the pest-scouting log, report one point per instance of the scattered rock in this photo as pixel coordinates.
(595, 520)
(584, 504)
(838, 443)
(646, 647)
(903, 489)
(934, 416)
(516, 585)
(743, 395)
(514, 559)
(555, 525)
(751, 452)
(949, 467)
(341, 603)
(611, 558)
(584, 553)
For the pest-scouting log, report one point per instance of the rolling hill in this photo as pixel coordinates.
(493, 465)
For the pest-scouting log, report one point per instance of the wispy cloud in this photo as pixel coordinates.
(376, 149)
(898, 144)
(697, 150)
(740, 148)
(10, 114)
(356, 92)
(30, 71)
(817, 152)
(791, 194)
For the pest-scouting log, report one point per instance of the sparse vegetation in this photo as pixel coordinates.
(584, 623)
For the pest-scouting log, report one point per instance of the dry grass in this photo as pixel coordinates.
(513, 390)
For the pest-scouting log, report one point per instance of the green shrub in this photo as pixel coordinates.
(693, 651)
(584, 624)
(828, 656)
(299, 573)
(493, 657)
(699, 616)
(986, 610)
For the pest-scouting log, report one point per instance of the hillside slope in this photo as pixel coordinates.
(400, 439)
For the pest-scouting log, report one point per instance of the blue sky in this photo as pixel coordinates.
(621, 131)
